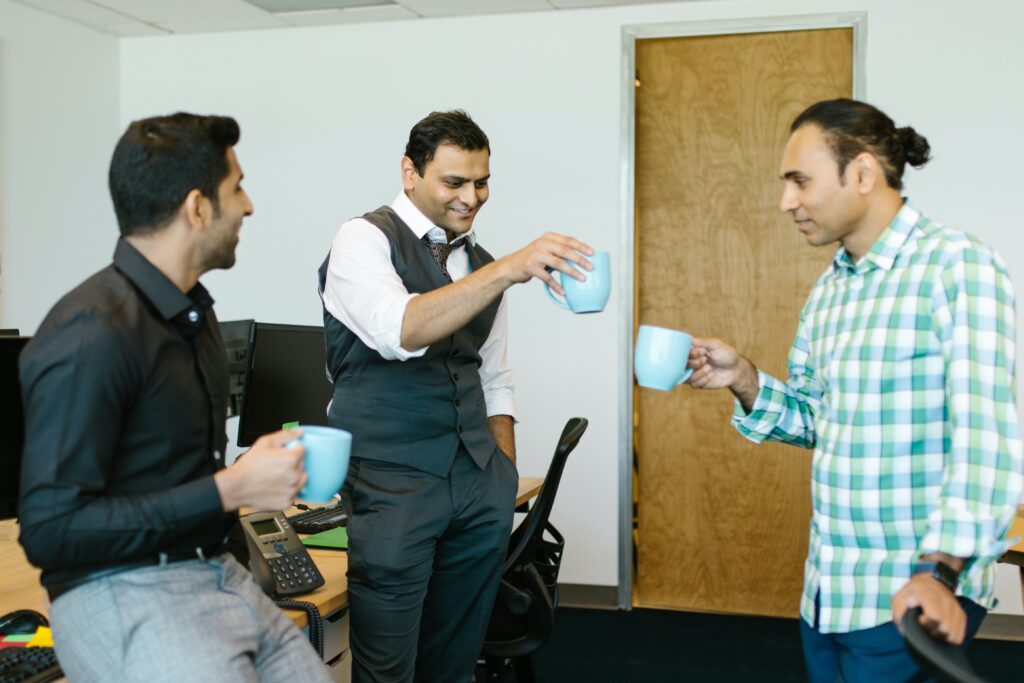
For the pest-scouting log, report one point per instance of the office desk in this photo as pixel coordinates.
(333, 564)
(20, 589)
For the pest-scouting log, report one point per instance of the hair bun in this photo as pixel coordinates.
(915, 146)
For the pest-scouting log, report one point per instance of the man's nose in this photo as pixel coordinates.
(788, 201)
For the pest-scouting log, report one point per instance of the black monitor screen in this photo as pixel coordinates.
(12, 425)
(285, 380)
(236, 343)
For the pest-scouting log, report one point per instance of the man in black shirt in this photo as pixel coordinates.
(125, 501)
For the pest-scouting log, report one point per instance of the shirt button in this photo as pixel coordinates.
(455, 376)
(216, 455)
(460, 429)
(455, 352)
(193, 316)
(457, 403)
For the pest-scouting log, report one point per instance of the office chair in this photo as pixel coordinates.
(944, 662)
(524, 611)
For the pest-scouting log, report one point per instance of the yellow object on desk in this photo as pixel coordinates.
(42, 638)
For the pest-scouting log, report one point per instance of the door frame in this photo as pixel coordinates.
(630, 34)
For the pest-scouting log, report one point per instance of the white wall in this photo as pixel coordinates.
(325, 113)
(58, 124)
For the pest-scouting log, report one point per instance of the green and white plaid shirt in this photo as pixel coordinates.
(902, 380)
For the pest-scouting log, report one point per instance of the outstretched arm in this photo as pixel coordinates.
(439, 313)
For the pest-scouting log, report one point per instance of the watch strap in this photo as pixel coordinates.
(940, 571)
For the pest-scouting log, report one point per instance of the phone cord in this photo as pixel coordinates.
(316, 622)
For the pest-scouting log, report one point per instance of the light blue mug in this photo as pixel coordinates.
(327, 454)
(591, 295)
(661, 356)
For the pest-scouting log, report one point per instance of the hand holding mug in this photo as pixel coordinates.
(589, 295)
(327, 454)
(549, 252)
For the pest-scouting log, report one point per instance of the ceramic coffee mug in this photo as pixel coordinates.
(660, 357)
(591, 295)
(327, 454)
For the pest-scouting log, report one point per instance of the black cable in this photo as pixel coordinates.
(316, 622)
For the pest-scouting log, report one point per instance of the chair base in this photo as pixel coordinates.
(504, 670)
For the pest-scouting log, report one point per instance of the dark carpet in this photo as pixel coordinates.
(658, 645)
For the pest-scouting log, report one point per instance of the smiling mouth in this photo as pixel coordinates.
(464, 213)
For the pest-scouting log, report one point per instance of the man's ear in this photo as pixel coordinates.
(409, 173)
(197, 209)
(868, 172)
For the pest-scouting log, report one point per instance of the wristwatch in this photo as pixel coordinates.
(941, 572)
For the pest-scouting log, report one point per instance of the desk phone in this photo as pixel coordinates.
(278, 560)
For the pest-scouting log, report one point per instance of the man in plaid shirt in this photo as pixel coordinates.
(902, 380)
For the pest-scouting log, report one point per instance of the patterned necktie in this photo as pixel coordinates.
(440, 252)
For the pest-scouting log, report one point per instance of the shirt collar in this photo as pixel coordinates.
(165, 296)
(420, 224)
(883, 252)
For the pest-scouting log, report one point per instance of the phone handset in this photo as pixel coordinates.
(279, 562)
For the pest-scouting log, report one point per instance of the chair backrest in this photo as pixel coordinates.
(528, 592)
(943, 661)
(529, 535)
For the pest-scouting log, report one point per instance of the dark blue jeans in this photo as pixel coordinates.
(872, 655)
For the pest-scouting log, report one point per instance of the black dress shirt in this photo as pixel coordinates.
(125, 395)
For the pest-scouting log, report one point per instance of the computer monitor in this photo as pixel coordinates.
(236, 342)
(12, 425)
(285, 380)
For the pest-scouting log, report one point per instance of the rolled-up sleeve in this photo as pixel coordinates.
(496, 377)
(363, 291)
(784, 411)
(976, 324)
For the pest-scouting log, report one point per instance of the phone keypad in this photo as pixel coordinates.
(294, 574)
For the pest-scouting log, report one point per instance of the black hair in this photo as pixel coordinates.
(159, 160)
(443, 128)
(851, 127)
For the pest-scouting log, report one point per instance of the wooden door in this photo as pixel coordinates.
(722, 524)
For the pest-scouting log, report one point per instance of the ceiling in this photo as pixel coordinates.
(162, 17)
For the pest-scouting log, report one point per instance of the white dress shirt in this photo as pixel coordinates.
(367, 296)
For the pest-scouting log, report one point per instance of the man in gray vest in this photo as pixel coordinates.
(416, 328)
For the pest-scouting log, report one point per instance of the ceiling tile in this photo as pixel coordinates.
(347, 16)
(450, 8)
(87, 13)
(576, 4)
(281, 6)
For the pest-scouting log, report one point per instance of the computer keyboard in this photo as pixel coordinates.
(28, 665)
(319, 519)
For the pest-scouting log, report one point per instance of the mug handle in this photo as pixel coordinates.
(551, 295)
(686, 376)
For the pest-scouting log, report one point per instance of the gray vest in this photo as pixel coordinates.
(412, 412)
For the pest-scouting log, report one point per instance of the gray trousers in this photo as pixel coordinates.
(186, 621)
(425, 554)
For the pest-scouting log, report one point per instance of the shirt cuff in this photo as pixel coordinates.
(501, 401)
(753, 425)
(963, 534)
(389, 339)
(197, 502)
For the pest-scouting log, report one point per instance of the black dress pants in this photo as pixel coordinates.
(425, 554)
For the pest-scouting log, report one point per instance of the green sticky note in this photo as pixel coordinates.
(336, 539)
(290, 425)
